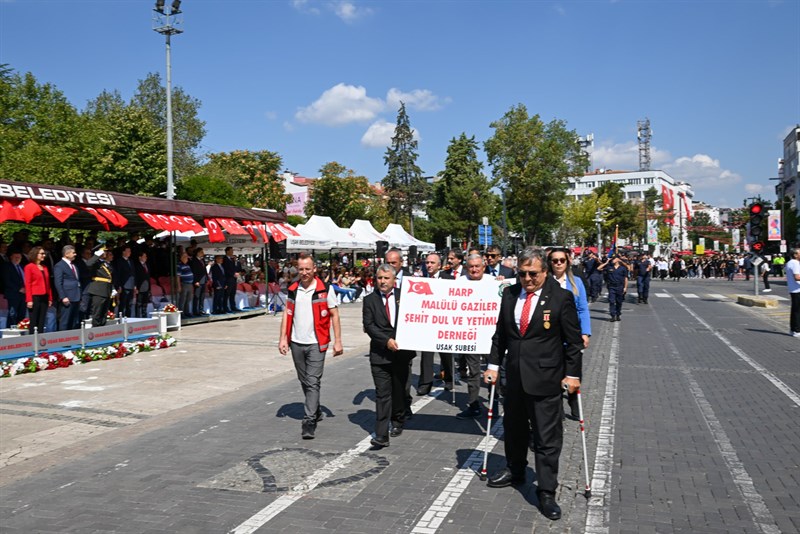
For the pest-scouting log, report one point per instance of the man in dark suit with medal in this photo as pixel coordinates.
(539, 338)
(389, 364)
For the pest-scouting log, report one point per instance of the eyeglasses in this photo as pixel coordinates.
(491, 255)
(526, 274)
(558, 260)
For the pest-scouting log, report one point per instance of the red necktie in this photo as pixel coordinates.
(73, 270)
(525, 319)
(388, 313)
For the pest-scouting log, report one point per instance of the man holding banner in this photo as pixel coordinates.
(539, 338)
(390, 365)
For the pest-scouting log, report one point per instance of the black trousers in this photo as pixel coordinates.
(230, 293)
(794, 314)
(542, 414)
(199, 300)
(219, 300)
(38, 314)
(99, 309)
(125, 303)
(142, 300)
(426, 368)
(390, 393)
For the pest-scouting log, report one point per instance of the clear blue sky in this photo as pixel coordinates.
(318, 81)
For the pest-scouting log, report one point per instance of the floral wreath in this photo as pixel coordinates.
(24, 324)
(170, 308)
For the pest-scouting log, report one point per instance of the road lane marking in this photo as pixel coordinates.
(597, 513)
(690, 296)
(446, 500)
(777, 382)
(762, 517)
(263, 516)
(717, 296)
(663, 295)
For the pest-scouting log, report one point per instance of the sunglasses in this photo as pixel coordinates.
(491, 255)
(558, 260)
(526, 274)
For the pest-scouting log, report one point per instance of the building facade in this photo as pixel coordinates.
(788, 178)
(676, 196)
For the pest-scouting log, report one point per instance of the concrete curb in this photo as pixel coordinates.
(759, 302)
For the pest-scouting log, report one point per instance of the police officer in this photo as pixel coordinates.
(616, 276)
(594, 275)
(643, 268)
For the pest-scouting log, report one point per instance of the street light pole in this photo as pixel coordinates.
(166, 23)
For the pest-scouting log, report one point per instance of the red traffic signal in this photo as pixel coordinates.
(756, 209)
(757, 247)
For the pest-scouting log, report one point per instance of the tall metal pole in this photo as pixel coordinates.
(170, 182)
(505, 220)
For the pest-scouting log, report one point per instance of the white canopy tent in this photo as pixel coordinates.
(364, 231)
(243, 244)
(340, 239)
(397, 236)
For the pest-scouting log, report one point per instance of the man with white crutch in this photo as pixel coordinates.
(538, 336)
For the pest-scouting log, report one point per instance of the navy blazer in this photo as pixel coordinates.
(67, 284)
(12, 282)
(544, 355)
(502, 270)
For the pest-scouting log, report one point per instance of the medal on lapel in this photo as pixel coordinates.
(546, 319)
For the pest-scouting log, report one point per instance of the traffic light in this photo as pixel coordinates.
(754, 227)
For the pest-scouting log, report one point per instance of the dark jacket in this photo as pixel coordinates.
(102, 277)
(379, 330)
(544, 356)
(67, 283)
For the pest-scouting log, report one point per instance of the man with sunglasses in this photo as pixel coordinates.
(494, 265)
(539, 338)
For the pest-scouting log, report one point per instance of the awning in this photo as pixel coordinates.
(68, 207)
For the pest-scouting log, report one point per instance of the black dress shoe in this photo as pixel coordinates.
(379, 443)
(505, 478)
(548, 505)
(448, 386)
(423, 390)
(308, 429)
(396, 431)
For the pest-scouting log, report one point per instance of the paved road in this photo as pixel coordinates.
(691, 408)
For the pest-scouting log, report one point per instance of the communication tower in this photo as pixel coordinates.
(644, 143)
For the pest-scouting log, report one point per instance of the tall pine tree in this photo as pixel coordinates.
(404, 183)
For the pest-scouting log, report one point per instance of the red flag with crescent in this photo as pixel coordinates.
(420, 288)
(214, 230)
(62, 213)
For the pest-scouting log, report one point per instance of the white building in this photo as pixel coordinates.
(714, 214)
(789, 179)
(675, 195)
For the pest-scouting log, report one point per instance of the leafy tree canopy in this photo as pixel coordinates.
(254, 173)
(344, 197)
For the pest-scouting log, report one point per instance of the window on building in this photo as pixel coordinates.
(649, 180)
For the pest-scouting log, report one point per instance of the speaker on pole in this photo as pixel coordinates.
(412, 254)
(277, 251)
(381, 247)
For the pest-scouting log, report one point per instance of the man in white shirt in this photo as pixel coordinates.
(793, 284)
(311, 310)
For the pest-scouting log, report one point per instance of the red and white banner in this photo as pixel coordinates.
(62, 213)
(97, 215)
(668, 204)
(251, 229)
(448, 315)
(151, 219)
(277, 233)
(214, 230)
(232, 227)
(116, 218)
(24, 211)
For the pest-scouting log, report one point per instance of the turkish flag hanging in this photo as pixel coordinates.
(151, 219)
(248, 226)
(102, 220)
(215, 234)
(6, 211)
(288, 230)
(62, 213)
(178, 223)
(191, 224)
(262, 230)
(232, 227)
(277, 233)
(667, 204)
(116, 218)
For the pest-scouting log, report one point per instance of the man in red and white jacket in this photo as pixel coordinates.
(311, 310)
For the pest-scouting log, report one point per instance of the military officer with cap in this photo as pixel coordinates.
(101, 287)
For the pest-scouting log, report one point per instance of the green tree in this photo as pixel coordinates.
(211, 189)
(404, 184)
(534, 162)
(254, 173)
(40, 132)
(621, 213)
(462, 196)
(187, 129)
(131, 156)
(341, 195)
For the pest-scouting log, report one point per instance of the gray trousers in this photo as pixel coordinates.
(309, 363)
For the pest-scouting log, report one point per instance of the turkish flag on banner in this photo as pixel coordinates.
(62, 213)
(191, 224)
(151, 219)
(116, 218)
(289, 231)
(262, 230)
(232, 227)
(102, 220)
(25, 210)
(168, 224)
(667, 204)
(277, 233)
(215, 234)
(248, 225)
(178, 223)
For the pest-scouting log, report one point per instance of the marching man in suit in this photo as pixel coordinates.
(539, 337)
(68, 290)
(390, 365)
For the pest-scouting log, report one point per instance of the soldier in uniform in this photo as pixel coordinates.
(101, 287)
